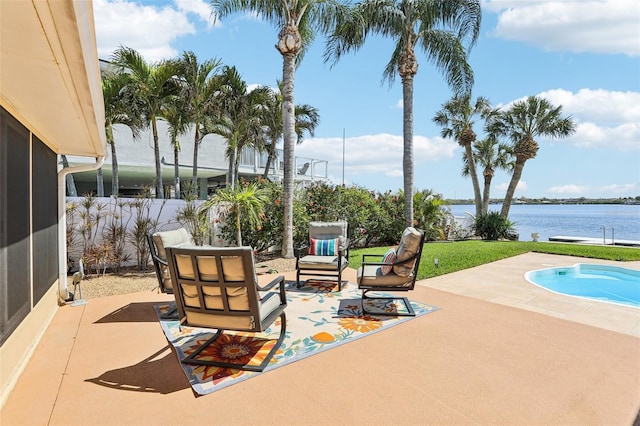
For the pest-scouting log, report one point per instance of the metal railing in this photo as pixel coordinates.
(306, 168)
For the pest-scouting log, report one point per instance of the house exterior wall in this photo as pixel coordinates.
(50, 104)
(28, 244)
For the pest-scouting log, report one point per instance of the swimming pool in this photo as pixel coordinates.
(600, 282)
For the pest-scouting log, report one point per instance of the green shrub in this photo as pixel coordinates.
(492, 226)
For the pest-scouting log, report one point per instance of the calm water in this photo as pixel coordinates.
(576, 220)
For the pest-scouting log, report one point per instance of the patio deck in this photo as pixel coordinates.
(497, 352)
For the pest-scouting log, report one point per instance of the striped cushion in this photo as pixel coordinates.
(389, 258)
(324, 247)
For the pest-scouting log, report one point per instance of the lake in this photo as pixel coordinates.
(620, 221)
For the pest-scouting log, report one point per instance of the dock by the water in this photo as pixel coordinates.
(594, 241)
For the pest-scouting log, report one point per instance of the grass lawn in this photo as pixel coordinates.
(457, 255)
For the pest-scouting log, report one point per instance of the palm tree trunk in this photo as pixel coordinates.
(176, 170)
(71, 184)
(486, 193)
(289, 133)
(232, 162)
(474, 178)
(407, 158)
(272, 153)
(515, 179)
(238, 230)
(99, 183)
(115, 181)
(156, 153)
(194, 173)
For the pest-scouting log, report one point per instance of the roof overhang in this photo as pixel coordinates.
(50, 75)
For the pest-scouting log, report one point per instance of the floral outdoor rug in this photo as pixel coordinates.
(318, 318)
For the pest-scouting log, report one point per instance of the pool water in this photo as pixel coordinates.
(599, 282)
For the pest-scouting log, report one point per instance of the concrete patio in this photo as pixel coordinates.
(499, 351)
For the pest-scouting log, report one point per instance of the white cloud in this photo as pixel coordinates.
(148, 29)
(618, 189)
(501, 189)
(598, 105)
(379, 154)
(200, 8)
(603, 118)
(595, 26)
(565, 190)
(611, 190)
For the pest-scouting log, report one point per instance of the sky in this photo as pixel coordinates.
(582, 55)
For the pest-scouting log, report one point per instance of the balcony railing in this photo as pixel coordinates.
(306, 168)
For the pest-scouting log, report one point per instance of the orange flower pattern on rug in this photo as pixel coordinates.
(318, 318)
(241, 348)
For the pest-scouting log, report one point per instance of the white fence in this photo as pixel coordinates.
(90, 221)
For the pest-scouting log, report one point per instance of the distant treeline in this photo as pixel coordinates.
(581, 200)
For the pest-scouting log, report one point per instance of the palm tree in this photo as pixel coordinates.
(119, 108)
(438, 27)
(490, 155)
(307, 119)
(457, 118)
(152, 84)
(247, 200)
(199, 84)
(298, 23)
(430, 214)
(240, 117)
(175, 114)
(522, 123)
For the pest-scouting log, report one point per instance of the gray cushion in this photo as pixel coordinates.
(176, 238)
(327, 263)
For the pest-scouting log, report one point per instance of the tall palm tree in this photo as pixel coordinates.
(176, 116)
(153, 84)
(306, 119)
(439, 27)
(199, 85)
(490, 154)
(119, 108)
(522, 123)
(298, 23)
(457, 118)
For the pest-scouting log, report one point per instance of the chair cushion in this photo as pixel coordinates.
(371, 276)
(329, 230)
(231, 265)
(324, 247)
(388, 259)
(174, 238)
(409, 244)
(325, 263)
